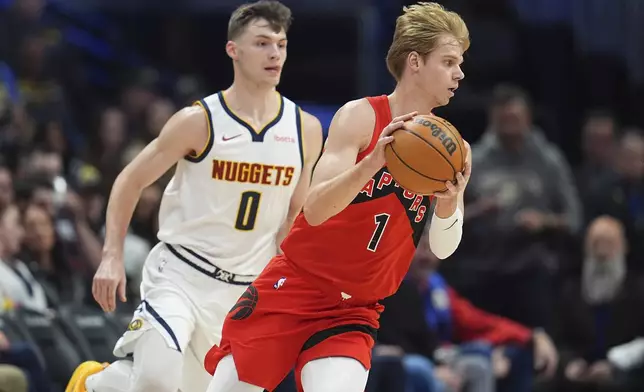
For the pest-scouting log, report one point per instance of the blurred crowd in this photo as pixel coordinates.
(545, 292)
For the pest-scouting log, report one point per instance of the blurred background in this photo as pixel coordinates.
(545, 292)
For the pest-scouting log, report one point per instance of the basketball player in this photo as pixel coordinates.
(316, 306)
(244, 158)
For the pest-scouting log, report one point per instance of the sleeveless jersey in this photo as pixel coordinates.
(227, 203)
(365, 250)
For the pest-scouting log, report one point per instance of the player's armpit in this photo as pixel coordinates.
(312, 147)
(199, 152)
(337, 179)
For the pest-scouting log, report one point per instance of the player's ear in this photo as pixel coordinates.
(231, 49)
(413, 61)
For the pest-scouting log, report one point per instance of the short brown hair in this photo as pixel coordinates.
(418, 29)
(506, 93)
(275, 13)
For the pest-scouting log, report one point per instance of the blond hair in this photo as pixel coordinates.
(418, 29)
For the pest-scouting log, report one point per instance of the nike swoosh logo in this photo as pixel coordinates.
(452, 225)
(225, 139)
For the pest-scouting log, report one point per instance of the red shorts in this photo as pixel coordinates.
(283, 321)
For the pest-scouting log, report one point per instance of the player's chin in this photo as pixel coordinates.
(442, 101)
(273, 80)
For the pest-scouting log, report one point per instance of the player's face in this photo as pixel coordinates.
(259, 53)
(440, 72)
(511, 120)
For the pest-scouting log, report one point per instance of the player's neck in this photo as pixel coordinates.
(251, 100)
(404, 99)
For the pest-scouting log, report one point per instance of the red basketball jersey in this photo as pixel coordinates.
(366, 249)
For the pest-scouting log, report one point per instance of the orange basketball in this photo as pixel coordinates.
(425, 153)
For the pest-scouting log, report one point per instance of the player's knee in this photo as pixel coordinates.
(334, 374)
(157, 367)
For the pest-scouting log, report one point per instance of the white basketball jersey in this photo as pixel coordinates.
(227, 203)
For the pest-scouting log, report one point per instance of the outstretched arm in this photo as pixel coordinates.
(184, 134)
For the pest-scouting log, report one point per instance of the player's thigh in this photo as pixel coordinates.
(210, 316)
(166, 305)
(156, 367)
(352, 342)
(213, 306)
(333, 374)
(164, 310)
(268, 325)
(226, 379)
(195, 377)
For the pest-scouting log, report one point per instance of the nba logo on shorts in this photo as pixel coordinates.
(279, 283)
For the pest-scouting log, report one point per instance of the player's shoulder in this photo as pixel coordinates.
(358, 109)
(357, 113)
(189, 117)
(310, 123)
(311, 132)
(356, 118)
(190, 126)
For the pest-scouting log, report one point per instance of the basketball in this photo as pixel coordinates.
(425, 153)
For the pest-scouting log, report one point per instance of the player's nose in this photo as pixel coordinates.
(459, 75)
(274, 53)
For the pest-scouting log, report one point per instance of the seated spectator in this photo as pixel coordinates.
(416, 345)
(387, 372)
(598, 148)
(622, 195)
(522, 207)
(81, 246)
(46, 260)
(460, 339)
(16, 280)
(21, 367)
(599, 310)
(19, 361)
(6, 187)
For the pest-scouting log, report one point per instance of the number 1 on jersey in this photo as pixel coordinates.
(381, 222)
(247, 213)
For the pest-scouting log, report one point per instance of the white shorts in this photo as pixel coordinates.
(187, 306)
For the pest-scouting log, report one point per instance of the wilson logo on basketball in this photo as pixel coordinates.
(438, 133)
(284, 139)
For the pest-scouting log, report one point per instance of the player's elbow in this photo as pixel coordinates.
(129, 180)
